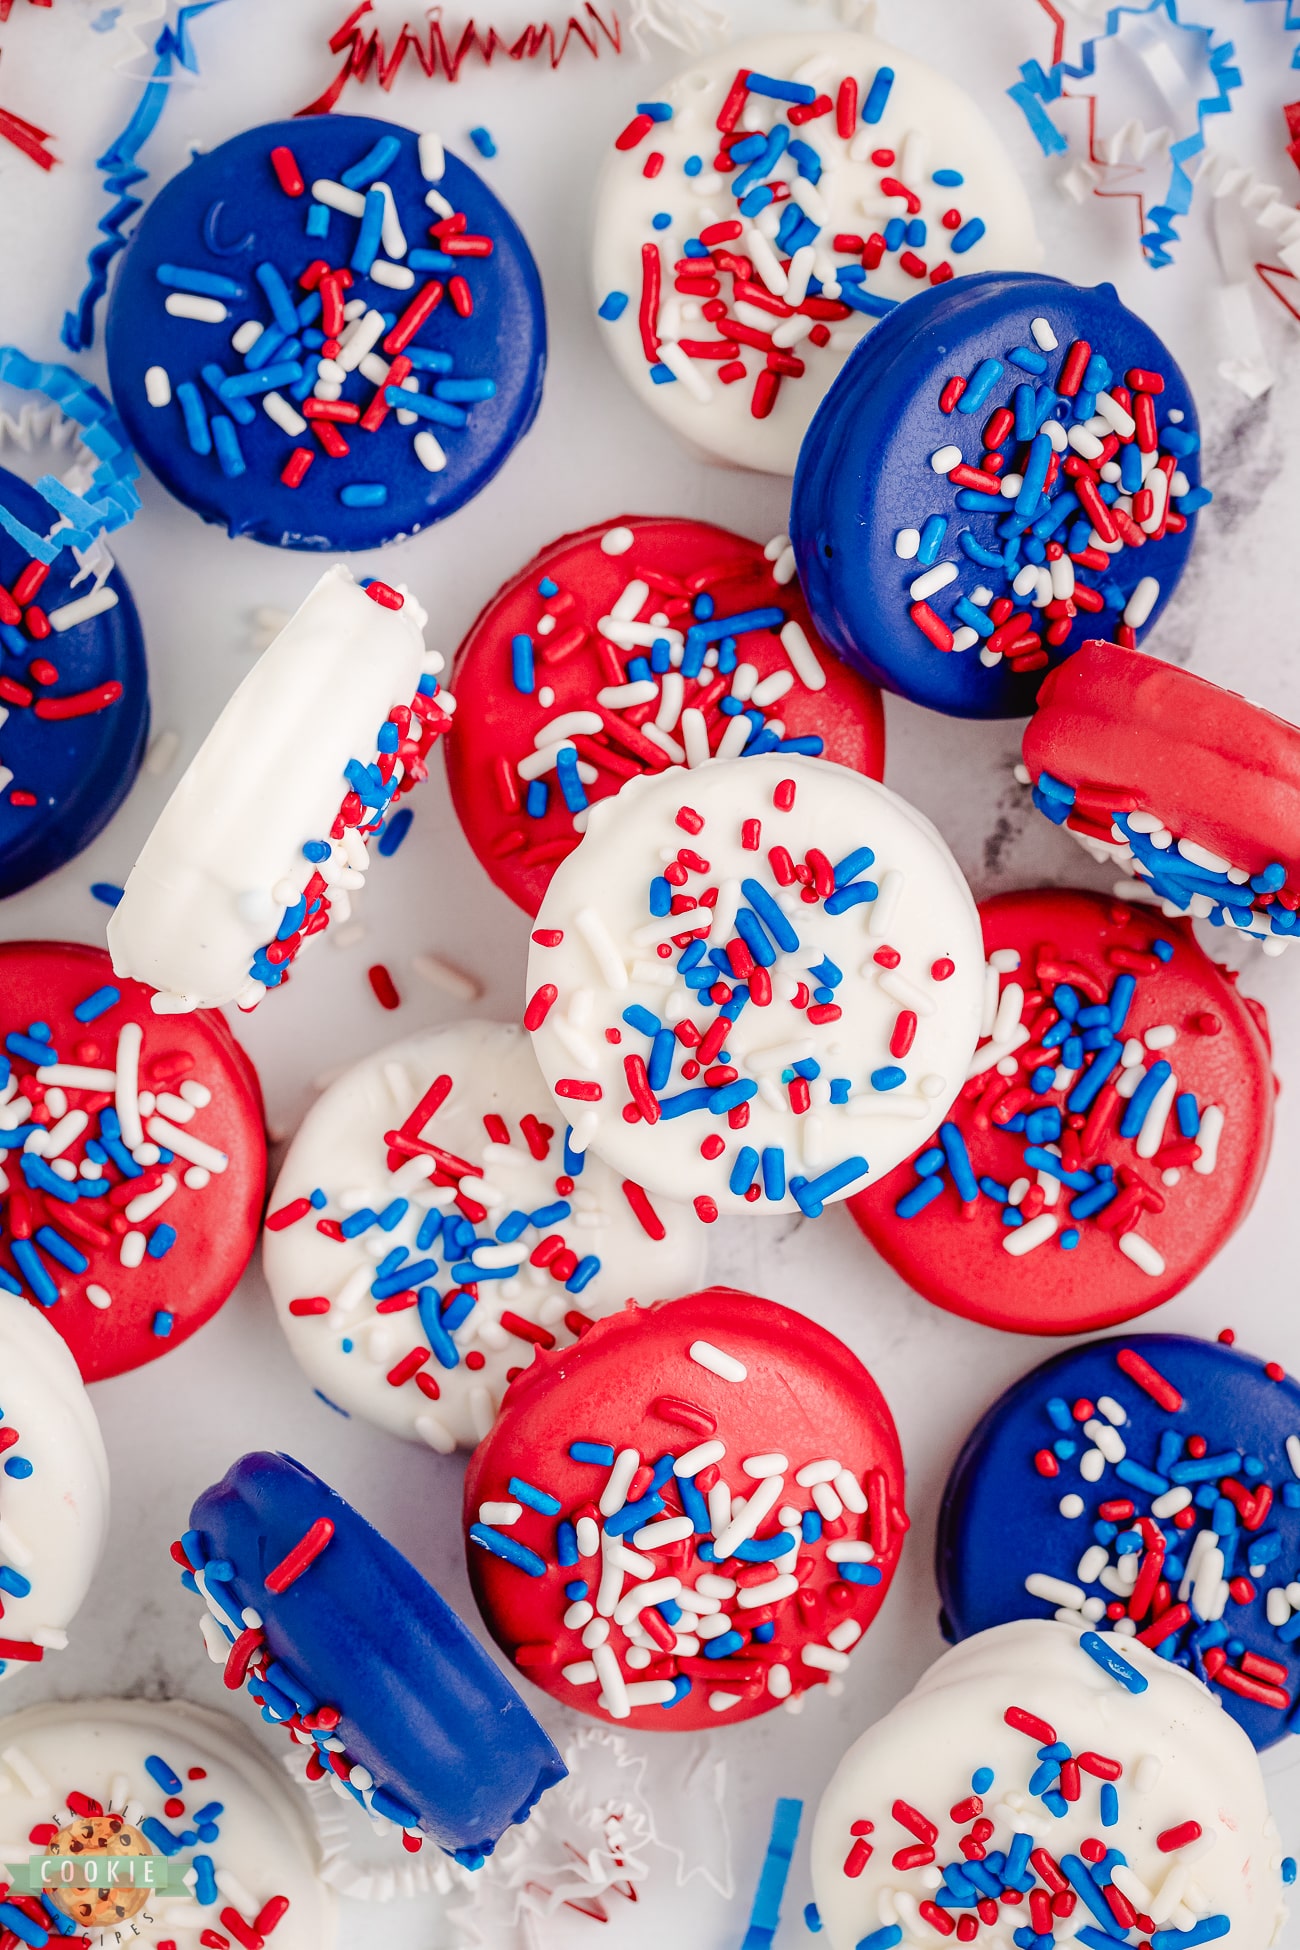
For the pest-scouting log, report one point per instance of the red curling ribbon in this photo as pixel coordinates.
(367, 58)
(25, 135)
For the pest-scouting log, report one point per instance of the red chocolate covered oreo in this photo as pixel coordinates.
(627, 648)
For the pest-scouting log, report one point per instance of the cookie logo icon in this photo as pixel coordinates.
(93, 1885)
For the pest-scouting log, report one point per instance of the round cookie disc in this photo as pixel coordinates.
(604, 1547)
(963, 1749)
(734, 268)
(177, 1791)
(730, 1016)
(426, 1348)
(224, 308)
(264, 840)
(75, 697)
(358, 1654)
(613, 637)
(918, 560)
(1105, 1171)
(1191, 788)
(53, 1489)
(1040, 1512)
(135, 1157)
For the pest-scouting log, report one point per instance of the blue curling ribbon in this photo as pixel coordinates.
(111, 499)
(1038, 87)
(122, 172)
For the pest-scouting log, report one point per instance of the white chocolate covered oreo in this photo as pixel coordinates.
(264, 840)
(757, 982)
(1053, 1788)
(53, 1489)
(428, 1233)
(784, 195)
(178, 1830)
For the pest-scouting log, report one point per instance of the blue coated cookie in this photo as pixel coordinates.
(1175, 1455)
(267, 292)
(74, 700)
(355, 1650)
(1004, 468)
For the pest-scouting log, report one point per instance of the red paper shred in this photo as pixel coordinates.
(25, 135)
(439, 53)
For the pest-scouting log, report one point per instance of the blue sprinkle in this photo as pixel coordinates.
(872, 110)
(498, 1544)
(1102, 1653)
(483, 142)
(522, 667)
(660, 220)
(599, 1453)
(967, 237)
(524, 1492)
(613, 306)
(888, 1078)
(395, 831)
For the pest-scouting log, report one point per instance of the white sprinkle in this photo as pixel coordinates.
(398, 277)
(770, 1465)
(656, 1591)
(779, 1682)
(667, 1530)
(587, 1531)
(720, 1701)
(944, 459)
(1119, 420)
(428, 452)
(845, 1635)
(618, 1482)
(187, 304)
(1293, 1453)
(828, 1503)
(613, 1693)
(25, 1769)
(725, 1366)
(695, 736)
(623, 697)
(158, 386)
(362, 339)
(581, 1673)
(847, 1551)
(196, 1179)
(68, 615)
(1171, 1502)
(350, 202)
(1092, 1465)
(773, 687)
(131, 1253)
(1071, 1506)
(616, 541)
(684, 368)
(769, 1593)
(650, 1692)
(99, 1296)
(1054, 1590)
(501, 1515)
(286, 417)
(142, 1208)
(1140, 604)
(76, 1076)
(817, 1472)
(1023, 1239)
(130, 1038)
(1043, 335)
(186, 1145)
(1277, 1606)
(1212, 1121)
(824, 1658)
(906, 543)
(1142, 1253)
(604, 951)
(932, 581)
(433, 158)
(1091, 1565)
(745, 1525)
(807, 668)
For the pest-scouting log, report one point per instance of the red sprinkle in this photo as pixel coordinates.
(384, 987)
(287, 173)
(304, 1553)
(540, 1004)
(295, 468)
(1172, 1838)
(783, 796)
(1148, 1380)
(951, 393)
(942, 969)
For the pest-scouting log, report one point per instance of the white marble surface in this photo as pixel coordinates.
(175, 1426)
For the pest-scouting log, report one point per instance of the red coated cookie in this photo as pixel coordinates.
(1193, 789)
(538, 674)
(1112, 1135)
(133, 1155)
(607, 1547)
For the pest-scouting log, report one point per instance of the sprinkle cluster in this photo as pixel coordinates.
(1105, 1130)
(735, 943)
(451, 1263)
(338, 862)
(1185, 877)
(13, 1582)
(24, 628)
(236, 1639)
(681, 685)
(322, 327)
(1181, 1539)
(95, 1140)
(1073, 470)
(660, 1580)
(98, 1825)
(788, 276)
(990, 1862)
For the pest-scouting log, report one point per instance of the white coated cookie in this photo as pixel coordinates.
(888, 140)
(358, 1351)
(1179, 1764)
(173, 1781)
(258, 817)
(53, 1489)
(873, 988)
